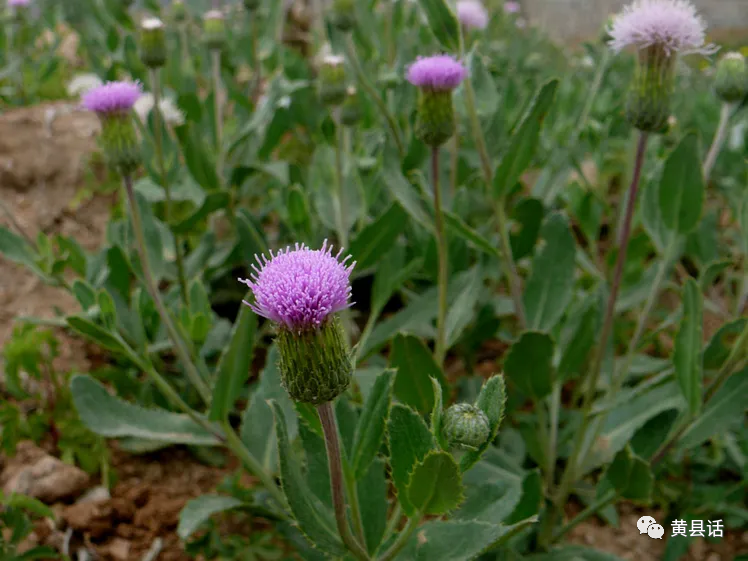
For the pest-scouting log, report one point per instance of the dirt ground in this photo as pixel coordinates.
(43, 151)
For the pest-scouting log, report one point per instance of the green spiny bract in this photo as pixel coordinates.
(332, 81)
(465, 427)
(315, 364)
(648, 106)
(435, 122)
(731, 80)
(119, 143)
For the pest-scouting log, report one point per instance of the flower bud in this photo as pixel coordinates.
(350, 112)
(731, 80)
(315, 365)
(465, 427)
(178, 11)
(251, 5)
(153, 43)
(343, 14)
(648, 105)
(214, 30)
(332, 80)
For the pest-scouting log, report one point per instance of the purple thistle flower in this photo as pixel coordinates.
(437, 73)
(112, 97)
(512, 7)
(18, 3)
(300, 288)
(672, 25)
(472, 14)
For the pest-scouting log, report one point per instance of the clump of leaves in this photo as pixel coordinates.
(16, 524)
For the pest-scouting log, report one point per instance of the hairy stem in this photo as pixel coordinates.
(158, 142)
(570, 471)
(332, 445)
(440, 348)
(179, 346)
(719, 140)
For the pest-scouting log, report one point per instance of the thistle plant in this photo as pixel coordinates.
(436, 77)
(214, 37)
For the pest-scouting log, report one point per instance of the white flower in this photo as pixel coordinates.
(150, 24)
(81, 83)
(169, 110)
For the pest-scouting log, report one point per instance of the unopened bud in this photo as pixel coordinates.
(214, 30)
(152, 43)
(343, 14)
(251, 5)
(332, 80)
(315, 364)
(465, 427)
(731, 80)
(178, 11)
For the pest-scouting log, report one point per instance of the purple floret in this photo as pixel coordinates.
(512, 7)
(439, 73)
(16, 3)
(673, 25)
(472, 14)
(300, 287)
(112, 97)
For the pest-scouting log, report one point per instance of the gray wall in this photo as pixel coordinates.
(580, 19)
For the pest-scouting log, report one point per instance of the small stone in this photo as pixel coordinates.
(99, 493)
(118, 549)
(714, 557)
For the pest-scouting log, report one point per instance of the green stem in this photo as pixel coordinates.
(719, 140)
(364, 82)
(739, 348)
(555, 408)
(440, 348)
(570, 471)
(235, 444)
(590, 101)
(179, 347)
(402, 538)
(515, 284)
(186, 60)
(544, 439)
(332, 445)
(215, 55)
(397, 514)
(600, 503)
(158, 142)
(340, 214)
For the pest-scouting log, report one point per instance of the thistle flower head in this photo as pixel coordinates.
(81, 83)
(672, 25)
(472, 14)
(436, 73)
(18, 3)
(512, 7)
(299, 288)
(112, 97)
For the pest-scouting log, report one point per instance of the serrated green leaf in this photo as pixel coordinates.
(458, 226)
(549, 288)
(372, 492)
(443, 23)
(409, 441)
(234, 364)
(528, 364)
(524, 141)
(687, 352)
(313, 518)
(681, 193)
(436, 484)
(200, 509)
(378, 237)
(415, 367)
(109, 416)
(371, 424)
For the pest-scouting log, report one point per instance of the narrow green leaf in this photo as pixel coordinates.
(409, 441)
(687, 353)
(200, 509)
(581, 341)
(234, 364)
(528, 215)
(461, 310)
(378, 237)
(153, 242)
(392, 273)
(726, 405)
(109, 416)
(372, 492)
(17, 249)
(641, 482)
(436, 484)
(524, 141)
(196, 156)
(97, 334)
(458, 226)
(550, 287)
(407, 197)
(681, 194)
(371, 424)
(722, 343)
(215, 200)
(313, 518)
(415, 367)
(528, 364)
(619, 470)
(442, 22)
